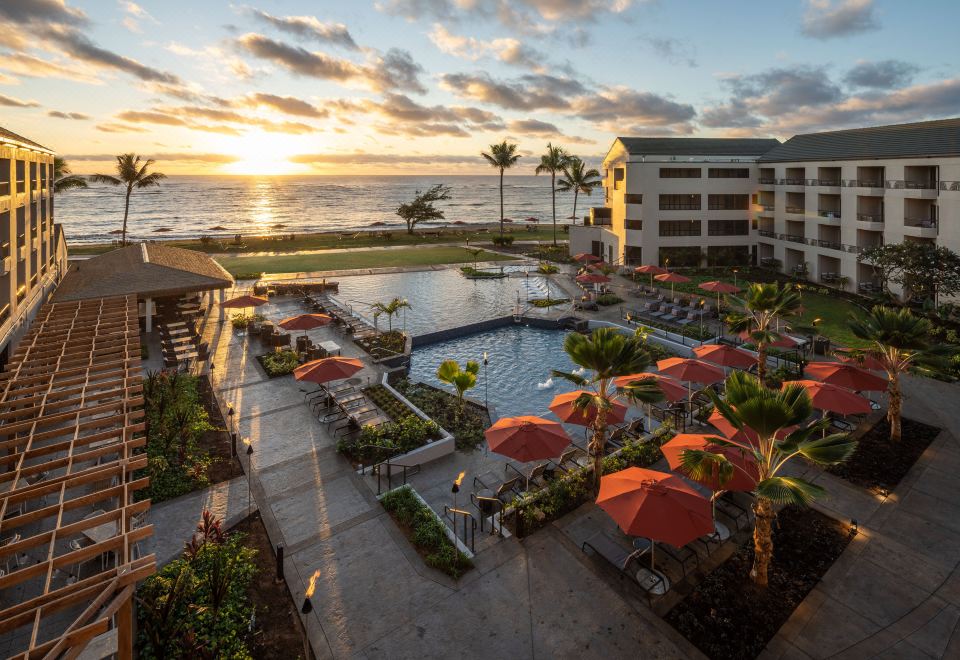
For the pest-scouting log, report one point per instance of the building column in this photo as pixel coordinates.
(124, 623)
(148, 306)
(223, 296)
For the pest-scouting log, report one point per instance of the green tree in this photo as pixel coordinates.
(761, 305)
(422, 208)
(749, 404)
(449, 372)
(921, 269)
(901, 341)
(502, 156)
(132, 173)
(578, 179)
(607, 355)
(552, 162)
(63, 178)
(390, 309)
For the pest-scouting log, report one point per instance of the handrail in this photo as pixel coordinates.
(407, 471)
(466, 515)
(480, 501)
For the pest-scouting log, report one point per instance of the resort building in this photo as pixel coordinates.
(808, 206)
(33, 252)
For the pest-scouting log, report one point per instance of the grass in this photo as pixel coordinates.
(326, 241)
(300, 263)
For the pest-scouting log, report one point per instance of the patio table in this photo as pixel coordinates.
(330, 347)
(186, 339)
(178, 332)
(100, 533)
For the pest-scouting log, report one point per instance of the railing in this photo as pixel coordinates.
(469, 525)
(922, 223)
(21, 293)
(793, 182)
(823, 182)
(868, 217)
(863, 183)
(793, 238)
(796, 209)
(944, 185)
(767, 234)
(767, 180)
(597, 222)
(402, 472)
(900, 184)
(833, 245)
(823, 213)
(494, 509)
(766, 207)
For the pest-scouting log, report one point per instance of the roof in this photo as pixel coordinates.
(659, 146)
(149, 270)
(916, 140)
(10, 135)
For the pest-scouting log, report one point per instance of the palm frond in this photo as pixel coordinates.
(789, 490)
(576, 379)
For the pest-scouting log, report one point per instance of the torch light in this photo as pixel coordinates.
(456, 487)
(307, 606)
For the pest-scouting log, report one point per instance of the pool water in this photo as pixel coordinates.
(442, 299)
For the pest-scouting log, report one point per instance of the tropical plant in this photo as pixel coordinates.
(63, 178)
(901, 341)
(474, 252)
(132, 173)
(449, 372)
(422, 208)
(749, 404)
(502, 156)
(578, 179)
(923, 270)
(607, 355)
(390, 309)
(762, 305)
(552, 162)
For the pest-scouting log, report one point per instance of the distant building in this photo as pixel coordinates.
(33, 252)
(816, 201)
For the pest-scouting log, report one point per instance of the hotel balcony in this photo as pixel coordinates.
(792, 238)
(919, 181)
(768, 176)
(600, 216)
(870, 221)
(794, 176)
(766, 233)
(951, 186)
(920, 227)
(831, 216)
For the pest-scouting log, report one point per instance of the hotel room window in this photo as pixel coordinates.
(728, 202)
(679, 172)
(728, 173)
(679, 202)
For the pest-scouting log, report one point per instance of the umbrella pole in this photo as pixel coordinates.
(653, 549)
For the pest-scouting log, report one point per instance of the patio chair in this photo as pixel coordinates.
(568, 459)
(531, 477)
(653, 582)
(507, 487)
(728, 506)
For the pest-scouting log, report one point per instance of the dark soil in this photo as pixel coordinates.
(878, 463)
(279, 632)
(467, 428)
(383, 344)
(727, 616)
(217, 443)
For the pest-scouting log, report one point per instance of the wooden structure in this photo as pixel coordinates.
(72, 431)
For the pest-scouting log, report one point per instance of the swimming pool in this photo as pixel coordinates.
(442, 299)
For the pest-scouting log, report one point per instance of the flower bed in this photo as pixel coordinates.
(549, 302)
(727, 616)
(383, 344)
(692, 331)
(382, 442)
(427, 533)
(472, 273)
(880, 463)
(387, 402)
(608, 299)
(467, 429)
(280, 363)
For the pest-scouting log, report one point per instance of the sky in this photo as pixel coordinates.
(423, 86)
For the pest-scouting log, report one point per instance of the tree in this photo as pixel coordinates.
(502, 156)
(748, 403)
(421, 209)
(921, 269)
(390, 309)
(449, 372)
(607, 354)
(579, 180)
(132, 173)
(762, 304)
(63, 179)
(553, 161)
(474, 252)
(901, 341)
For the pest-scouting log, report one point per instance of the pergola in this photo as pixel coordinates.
(71, 420)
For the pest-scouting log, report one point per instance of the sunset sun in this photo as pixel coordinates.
(259, 152)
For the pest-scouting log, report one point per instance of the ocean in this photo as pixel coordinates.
(190, 206)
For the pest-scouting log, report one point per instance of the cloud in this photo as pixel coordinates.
(828, 19)
(41, 11)
(885, 74)
(622, 108)
(784, 89)
(364, 158)
(134, 15)
(394, 70)
(57, 114)
(286, 104)
(110, 127)
(35, 67)
(672, 50)
(8, 80)
(176, 156)
(537, 128)
(187, 116)
(310, 27)
(402, 115)
(506, 11)
(528, 92)
(81, 48)
(507, 50)
(12, 102)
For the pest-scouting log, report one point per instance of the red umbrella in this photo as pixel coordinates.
(585, 257)
(719, 287)
(671, 389)
(531, 219)
(846, 375)
(832, 398)
(655, 505)
(745, 473)
(592, 278)
(862, 359)
(690, 370)
(327, 369)
(651, 270)
(784, 341)
(599, 265)
(745, 437)
(305, 322)
(673, 278)
(725, 355)
(527, 438)
(242, 302)
(562, 406)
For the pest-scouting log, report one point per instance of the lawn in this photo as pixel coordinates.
(299, 263)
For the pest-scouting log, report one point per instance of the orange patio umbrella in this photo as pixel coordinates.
(846, 375)
(725, 355)
(592, 278)
(746, 437)
(563, 407)
(863, 359)
(690, 370)
(833, 398)
(785, 341)
(745, 473)
(672, 390)
(242, 302)
(718, 287)
(327, 369)
(305, 322)
(673, 278)
(585, 257)
(527, 438)
(651, 270)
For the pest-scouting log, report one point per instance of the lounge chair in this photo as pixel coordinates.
(568, 458)
(653, 582)
(506, 487)
(531, 477)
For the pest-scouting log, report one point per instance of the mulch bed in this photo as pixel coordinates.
(727, 616)
(879, 464)
(217, 443)
(279, 632)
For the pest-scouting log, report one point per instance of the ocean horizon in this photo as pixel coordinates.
(189, 206)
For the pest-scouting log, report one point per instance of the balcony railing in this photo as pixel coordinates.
(767, 234)
(597, 222)
(793, 182)
(825, 213)
(863, 183)
(796, 209)
(768, 180)
(944, 185)
(765, 207)
(900, 184)
(823, 182)
(833, 245)
(793, 238)
(923, 223)
(869, 217)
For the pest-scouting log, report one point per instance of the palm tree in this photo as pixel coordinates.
(132, 173)
(390, 309)
(608, 355)
(449, 372)
(502, 156)
(63, 179)
(762, 304)
(901, 341)
(553, 161)
(749, 403)
(579, 180)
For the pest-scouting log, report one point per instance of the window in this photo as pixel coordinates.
(632, 255)
(618, 175)
(679, 227)
(634, 224)
(728, 255)
(679, 202)
(688, 257)
(633, 198)
(728, 173)
(727, 228)
(728, 202)
(679, 172)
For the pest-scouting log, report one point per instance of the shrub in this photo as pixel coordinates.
(240, 321)
(467, 428)
(547, 269)
(609, 299)
(549, 302)
(503, 241)
(398, 437)
(251, 275)
(280, 363)
(477, 274)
